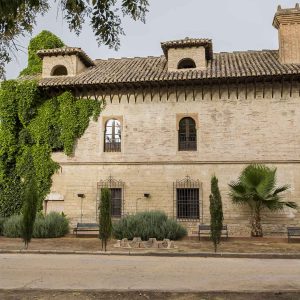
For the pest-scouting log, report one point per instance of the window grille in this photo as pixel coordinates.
(117, 196)
(187, 135)
(187, 201)
(116, 202)
(112, 136)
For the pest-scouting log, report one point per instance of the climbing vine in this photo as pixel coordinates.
(32, 127)
(44, 40)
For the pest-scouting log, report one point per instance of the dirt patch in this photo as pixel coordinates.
(232, 245)
(87, 295)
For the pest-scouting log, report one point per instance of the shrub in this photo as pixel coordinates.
(12, 226)
(147, 225)
(2, 220)
(51, 226)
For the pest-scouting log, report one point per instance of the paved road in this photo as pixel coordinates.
(69, 272)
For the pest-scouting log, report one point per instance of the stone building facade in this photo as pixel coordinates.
(171, 122)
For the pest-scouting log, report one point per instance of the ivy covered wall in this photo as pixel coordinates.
(32, 126)
(44, 40)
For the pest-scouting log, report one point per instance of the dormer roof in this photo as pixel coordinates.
(188, 43)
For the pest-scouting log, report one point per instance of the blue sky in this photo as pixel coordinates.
(232, 24)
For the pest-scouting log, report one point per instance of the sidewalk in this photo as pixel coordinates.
(233, 247)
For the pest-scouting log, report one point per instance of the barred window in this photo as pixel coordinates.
(187, 203)
(116, 202)
(112, 136)
(187, 135)
(116, 188)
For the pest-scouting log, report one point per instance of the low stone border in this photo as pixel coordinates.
(152, 243)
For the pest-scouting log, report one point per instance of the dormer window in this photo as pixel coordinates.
(65, 61)
(188, 54)
(186, 63)
(59, 71)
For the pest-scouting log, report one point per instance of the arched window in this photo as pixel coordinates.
(112, 136)
(187, 135)
(186, 63)
(59, 71)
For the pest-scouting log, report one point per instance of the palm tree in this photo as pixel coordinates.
(256, 187)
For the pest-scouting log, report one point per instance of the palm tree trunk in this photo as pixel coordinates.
(256, 228)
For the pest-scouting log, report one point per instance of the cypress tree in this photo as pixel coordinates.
(105, 224)
(29, 209)
(216, 213)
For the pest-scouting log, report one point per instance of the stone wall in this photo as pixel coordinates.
(231, 133)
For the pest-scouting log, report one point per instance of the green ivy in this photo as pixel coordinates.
(44, 40)
(32, 127)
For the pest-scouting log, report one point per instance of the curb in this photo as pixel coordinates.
(161, 254)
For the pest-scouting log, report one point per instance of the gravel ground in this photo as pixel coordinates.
(232, 245)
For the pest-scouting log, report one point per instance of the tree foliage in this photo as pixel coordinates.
(18, 17)
(105, 224)
(216, 213)
(257, 188)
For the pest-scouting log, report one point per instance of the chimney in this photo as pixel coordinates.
(287, 21)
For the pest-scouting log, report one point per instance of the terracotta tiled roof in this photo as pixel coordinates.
(154, 69)
(67, 51)
(188, 42)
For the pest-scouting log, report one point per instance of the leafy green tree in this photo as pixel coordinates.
(256, 187)
(105, 224)
(18, 17)
(216, 213)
